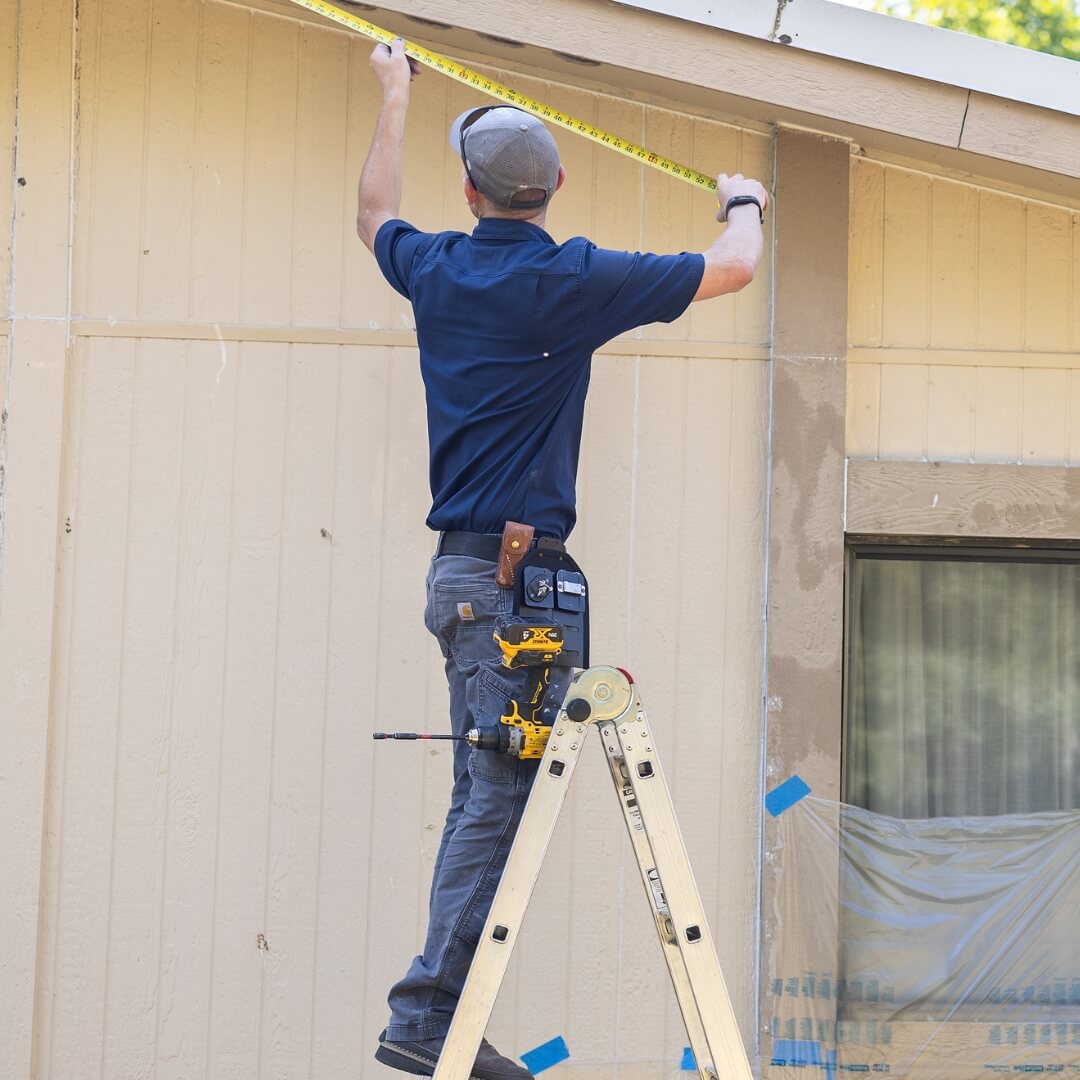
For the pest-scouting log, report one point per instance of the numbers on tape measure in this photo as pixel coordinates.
(505, 93)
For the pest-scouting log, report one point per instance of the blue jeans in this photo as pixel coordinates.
(489, 794)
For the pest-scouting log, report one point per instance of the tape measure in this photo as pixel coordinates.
(512, 97)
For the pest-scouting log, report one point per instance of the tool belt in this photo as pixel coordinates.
(507, 548)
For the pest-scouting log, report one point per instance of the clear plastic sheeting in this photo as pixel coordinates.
(947, 947)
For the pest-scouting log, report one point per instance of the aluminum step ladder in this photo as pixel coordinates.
(606, 699)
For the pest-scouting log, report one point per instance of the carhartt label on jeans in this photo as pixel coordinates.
(465, 612)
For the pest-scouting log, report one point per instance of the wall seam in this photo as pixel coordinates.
(222, 718)
(320, 844)
(170, 720)
(379, 481)
(144, 162)
(59, 769)
(114, 830)
(13, 233)
(57, 623)
(274, 718)
(963, 120)
(763, 690)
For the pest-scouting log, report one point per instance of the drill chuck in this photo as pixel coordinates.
(501, 738)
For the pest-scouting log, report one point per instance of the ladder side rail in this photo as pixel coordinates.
(693, 939)
(665, 930)
(511, 900)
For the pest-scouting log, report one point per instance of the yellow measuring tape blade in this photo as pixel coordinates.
(512, 97)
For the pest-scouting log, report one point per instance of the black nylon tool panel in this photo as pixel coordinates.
(550, 584)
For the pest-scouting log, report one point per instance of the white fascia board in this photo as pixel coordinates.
(891, 44)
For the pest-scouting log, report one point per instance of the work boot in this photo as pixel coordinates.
(420, 1056)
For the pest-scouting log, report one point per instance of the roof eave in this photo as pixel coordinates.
(891, 44)
(717, 70)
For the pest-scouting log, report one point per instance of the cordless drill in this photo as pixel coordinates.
(523, 732)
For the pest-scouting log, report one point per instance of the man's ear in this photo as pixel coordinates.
(471, 194)
(562, 177)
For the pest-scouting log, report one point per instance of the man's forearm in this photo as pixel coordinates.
(732, 260)
(379, 193)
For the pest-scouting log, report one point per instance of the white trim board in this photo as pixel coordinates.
(891, 44)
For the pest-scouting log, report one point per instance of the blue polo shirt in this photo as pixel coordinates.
(507, 321)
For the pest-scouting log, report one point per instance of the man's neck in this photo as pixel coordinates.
(487, 212)
(538, 221)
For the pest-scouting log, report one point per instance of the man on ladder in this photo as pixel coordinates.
(507, 321)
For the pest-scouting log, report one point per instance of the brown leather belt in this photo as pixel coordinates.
(476, 545)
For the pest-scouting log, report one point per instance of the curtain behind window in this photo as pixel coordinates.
(964, 685)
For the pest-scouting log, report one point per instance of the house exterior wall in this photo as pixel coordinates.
(212, 549)
(965, 321)
(961, 348)
(224, 874)
(963, 361)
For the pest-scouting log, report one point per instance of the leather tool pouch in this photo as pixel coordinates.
(516, 541)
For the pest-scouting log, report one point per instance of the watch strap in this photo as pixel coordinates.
(744, 200)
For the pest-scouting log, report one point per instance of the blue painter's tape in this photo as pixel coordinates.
(543, 1057)
(796, 1052)
(830, 1065)
(786, 795)
(689, 1064)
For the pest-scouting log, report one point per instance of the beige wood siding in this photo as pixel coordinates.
(31, 423)
(236, 875)
(233, 872)
(964, 320)
(219, 153)
(9, 25)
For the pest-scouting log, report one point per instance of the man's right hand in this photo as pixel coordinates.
(727, 187)
(393, 68)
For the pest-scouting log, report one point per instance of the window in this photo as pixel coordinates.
(963, 681)
(948, 866)
(962, 736)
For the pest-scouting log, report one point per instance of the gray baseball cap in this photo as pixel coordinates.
(508, 154)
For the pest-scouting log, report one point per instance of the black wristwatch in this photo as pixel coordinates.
(744, 200)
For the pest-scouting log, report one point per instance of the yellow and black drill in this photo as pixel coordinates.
(523, 731)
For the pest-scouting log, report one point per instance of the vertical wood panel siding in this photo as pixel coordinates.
(949, 269)
(219, 153)
(9, 28)
(32, 421)
(238, 877)
(235, 874)
(9, 25)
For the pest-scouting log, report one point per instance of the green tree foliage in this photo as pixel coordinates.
(1050, 26)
